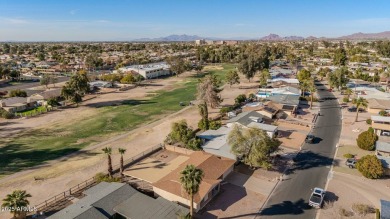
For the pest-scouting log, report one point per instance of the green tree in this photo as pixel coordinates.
(338, 78)
(180, 133)
(252, 145)
(370, 167)
(232, 77)
(190, 179)
(264, 76)
(208, 91)
(121, 151)
(303, 75)
(323, 72)
(240, 99)
(128, 79)
(45, 80)
(108, 152)
(76, 87)
(17, 202)
(17, 93)
(177, 65)
(203, 111)
(366, 140)
(359, 102)
(312, 89)
(348, 92)
(340, 57)
(248, 67)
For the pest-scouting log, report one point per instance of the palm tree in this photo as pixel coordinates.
(190, 179)
(108, 151)
(312, 89)
(348, 92)
(16, 201)
(359, 102)
(121, 152)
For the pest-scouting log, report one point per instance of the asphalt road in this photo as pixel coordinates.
(312, 165)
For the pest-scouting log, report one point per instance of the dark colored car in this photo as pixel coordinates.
(353, 109)
(309, 139)
(351, 163)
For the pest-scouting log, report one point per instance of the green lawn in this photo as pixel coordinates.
(34, 111)
(37, 146)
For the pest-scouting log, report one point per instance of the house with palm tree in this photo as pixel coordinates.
(215, 170)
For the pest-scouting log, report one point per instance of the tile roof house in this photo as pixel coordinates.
(215, 170)
(119, 200)
(377, 105)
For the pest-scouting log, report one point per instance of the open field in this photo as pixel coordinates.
(37, 145)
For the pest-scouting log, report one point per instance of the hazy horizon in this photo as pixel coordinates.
(128, 20)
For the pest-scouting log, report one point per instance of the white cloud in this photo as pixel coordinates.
(73, 12)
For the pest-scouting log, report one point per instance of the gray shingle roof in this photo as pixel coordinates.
(107, 199)
(382, 146)
(385, 209)
(246, 117)
(291, 100)
(140, 206)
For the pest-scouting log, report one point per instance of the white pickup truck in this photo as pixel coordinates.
(317, 197)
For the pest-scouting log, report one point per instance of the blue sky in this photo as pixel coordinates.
(49, 20)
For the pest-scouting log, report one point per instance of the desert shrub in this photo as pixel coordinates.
(345, 213)
(381, 89)
(214, 125)
(366, 140)
(53, 102)
(240, 99)
(370, 167)
(362, 209)
(6, 115)
(225, 110)
(382, 113)
(17, 93)
(369, 121)
(194, 144)
(348, 155)
(252, 96)
(101, 177)
(370, 129)
(345, 100)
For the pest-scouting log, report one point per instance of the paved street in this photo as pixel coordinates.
(312, 165)
(26, 85)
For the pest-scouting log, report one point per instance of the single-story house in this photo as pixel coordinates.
(45, 95)
(385, 209)
(286, 80)
(380, 124)
(287, 90)
(215, 169)
(119, 200)
(16, 104)
(245, 118)
(382, 151)
(377, 105)
(215, 142)
(100, 84)
(289, 103)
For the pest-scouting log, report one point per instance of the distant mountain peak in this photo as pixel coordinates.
(276, 37)
(367, 36)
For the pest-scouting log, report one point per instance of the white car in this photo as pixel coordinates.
(385, 133)
(317, 197)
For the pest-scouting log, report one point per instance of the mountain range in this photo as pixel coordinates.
(270, 37)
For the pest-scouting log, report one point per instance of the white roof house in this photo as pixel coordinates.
(287, 80)
(286, 90)
(152, 70)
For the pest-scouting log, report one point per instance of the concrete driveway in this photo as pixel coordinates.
(252, 183)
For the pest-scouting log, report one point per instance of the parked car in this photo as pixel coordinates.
(351, 163)
(309, 139)
(317, 198)
(385, 133)
(353, 109)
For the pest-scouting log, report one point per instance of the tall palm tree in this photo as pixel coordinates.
(348, 92)
(16, 201)
(190, 179)
(108, 151)
(359, 102)
(121, 152)
(312, 89)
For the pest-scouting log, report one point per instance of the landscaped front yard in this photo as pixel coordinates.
(340, 159)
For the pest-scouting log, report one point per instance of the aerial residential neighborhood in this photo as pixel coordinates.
(102, 117)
